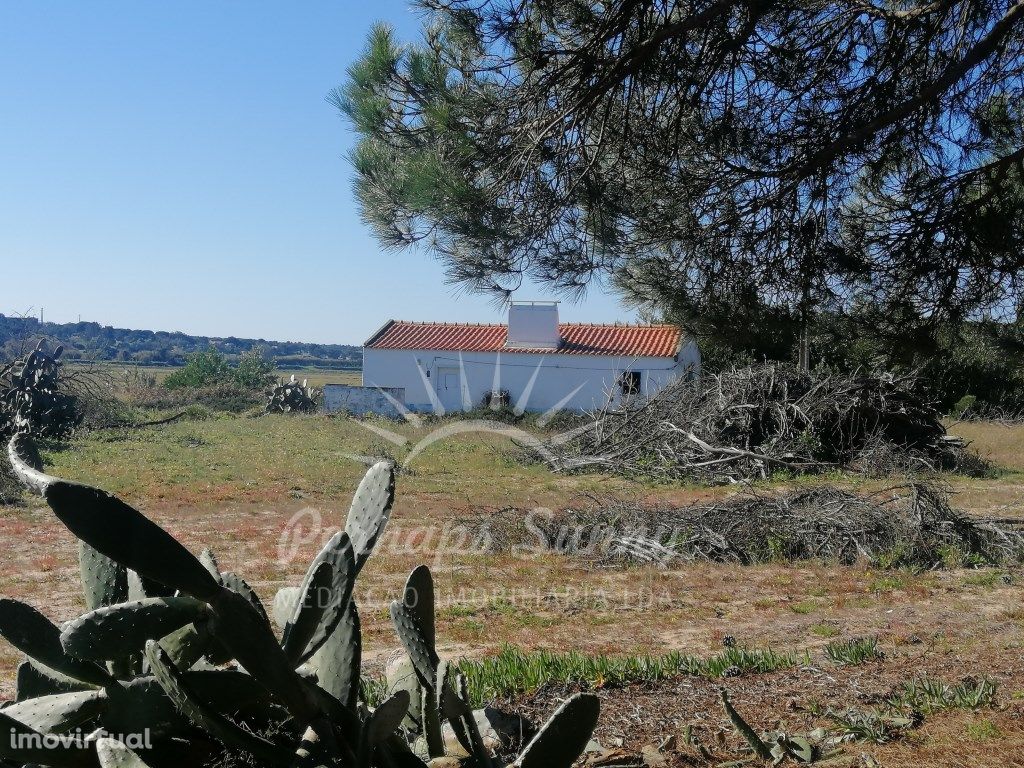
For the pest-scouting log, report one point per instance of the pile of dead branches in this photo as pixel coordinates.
(906, 525)
(751, 423)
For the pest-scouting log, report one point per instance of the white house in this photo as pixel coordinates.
(542, 364)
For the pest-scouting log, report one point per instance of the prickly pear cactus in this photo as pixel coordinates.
(32, 400)
(293, 397)
(175, 647)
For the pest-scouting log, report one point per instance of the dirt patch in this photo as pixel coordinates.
(795, 701)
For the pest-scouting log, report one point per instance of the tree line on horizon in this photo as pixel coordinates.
(92, 342)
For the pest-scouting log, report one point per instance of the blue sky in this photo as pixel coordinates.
(159, 159)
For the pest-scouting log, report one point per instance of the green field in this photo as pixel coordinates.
(317, 377)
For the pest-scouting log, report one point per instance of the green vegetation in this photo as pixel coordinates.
(100, 343)
(928, 694)
(899, 714)
(241, 459)
(763, 169)
(856, 651)
(982, 730)
(197, 465)
(254, 370)
(201, 369)
(210, 367)
(513, 671)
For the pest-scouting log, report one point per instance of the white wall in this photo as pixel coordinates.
(558, 375)
(360, 401)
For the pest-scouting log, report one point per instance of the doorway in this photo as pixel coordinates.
(449, 388)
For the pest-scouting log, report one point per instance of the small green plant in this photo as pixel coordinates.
(895, 557)
(870, 726)
(856, 651)
(813, 748)
(197, 412)
(963, 406)
(927, 695)
(890, 583)
(953, 556)
(983, 730)
(988, 578)
(804, 607)
(513, 671)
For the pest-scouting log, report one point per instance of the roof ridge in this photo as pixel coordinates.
(458, 324)
(449, 322)
(622, 339)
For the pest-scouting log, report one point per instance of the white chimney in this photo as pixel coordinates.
(533, 325)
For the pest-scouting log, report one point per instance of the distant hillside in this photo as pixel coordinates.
(95, 342)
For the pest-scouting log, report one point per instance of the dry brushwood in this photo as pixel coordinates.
(748, 423)
(911, 524)
(292, 397)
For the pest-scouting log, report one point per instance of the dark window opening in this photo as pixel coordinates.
(630, 383)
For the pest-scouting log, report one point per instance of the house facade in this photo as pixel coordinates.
(538, 362)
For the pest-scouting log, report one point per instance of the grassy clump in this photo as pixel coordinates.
(857, 651)
(513, 671)
(927, 695)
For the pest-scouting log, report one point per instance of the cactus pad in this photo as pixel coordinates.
(564, 736)
(370, 510)
(119, 630)
(38, 638)
(125, 535)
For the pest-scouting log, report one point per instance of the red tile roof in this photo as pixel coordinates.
(577, 339)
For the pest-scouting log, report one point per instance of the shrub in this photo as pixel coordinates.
(213, 382)
(10, 489)
(293, 397)
(34, 396)
(202, 369)
(927, 695)
(197, 412)
(963, 406)
(226, 396)
(255, 370)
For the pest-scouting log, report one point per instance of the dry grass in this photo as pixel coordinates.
(1002, 444)
(317, 376)
(234, 483)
